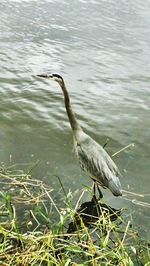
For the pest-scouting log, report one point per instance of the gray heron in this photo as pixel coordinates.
(92, 157)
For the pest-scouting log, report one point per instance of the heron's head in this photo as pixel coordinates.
(54, 77)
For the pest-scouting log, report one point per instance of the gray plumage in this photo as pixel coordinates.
(92, 157)
(97, 163)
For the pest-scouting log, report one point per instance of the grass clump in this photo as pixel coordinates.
(41, 227)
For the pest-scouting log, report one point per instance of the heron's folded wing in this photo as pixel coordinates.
(95, 160)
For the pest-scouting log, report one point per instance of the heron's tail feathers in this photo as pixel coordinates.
(115, 187)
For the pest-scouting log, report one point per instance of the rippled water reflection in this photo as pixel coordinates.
(102, 50)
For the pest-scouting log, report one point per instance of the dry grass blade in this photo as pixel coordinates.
(123, 149)
(132, 193)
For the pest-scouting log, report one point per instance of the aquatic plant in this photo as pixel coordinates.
(41, 227)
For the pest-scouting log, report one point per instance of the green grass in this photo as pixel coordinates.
(40, 226)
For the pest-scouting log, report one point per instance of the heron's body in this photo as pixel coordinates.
(96, 162)
(92, 157)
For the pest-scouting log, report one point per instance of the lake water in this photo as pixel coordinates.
(102, 49)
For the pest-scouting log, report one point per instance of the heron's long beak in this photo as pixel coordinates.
(43, 76)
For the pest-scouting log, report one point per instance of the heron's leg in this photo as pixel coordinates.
(94, 199)
(100, 192)
(98, 188)
(94, 188)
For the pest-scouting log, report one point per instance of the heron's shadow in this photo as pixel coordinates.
(90, 212)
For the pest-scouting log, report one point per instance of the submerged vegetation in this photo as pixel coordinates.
(39, 226)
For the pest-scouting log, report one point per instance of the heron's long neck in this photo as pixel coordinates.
(72, 119)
